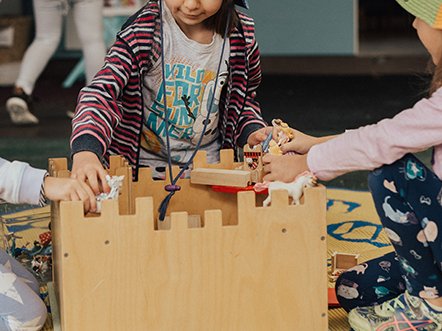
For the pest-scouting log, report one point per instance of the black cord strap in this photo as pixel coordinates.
(172, 187)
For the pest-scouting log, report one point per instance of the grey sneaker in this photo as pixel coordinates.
(18, 107)
(406, 312)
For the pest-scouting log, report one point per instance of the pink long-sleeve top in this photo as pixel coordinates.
(412, 130)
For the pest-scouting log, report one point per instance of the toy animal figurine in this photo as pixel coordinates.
(285, 133)
(115, 183)
(295, 188)
(274, 148)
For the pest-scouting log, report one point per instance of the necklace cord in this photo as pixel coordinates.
(173, 187)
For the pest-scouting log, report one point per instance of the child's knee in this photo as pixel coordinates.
(35, 317)
(346, 292)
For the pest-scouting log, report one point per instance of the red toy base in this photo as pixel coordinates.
(232, 189)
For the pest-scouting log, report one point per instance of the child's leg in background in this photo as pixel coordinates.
(375, 281)
(88, 15)
(48, 16)
(20, 306)
(407, 199)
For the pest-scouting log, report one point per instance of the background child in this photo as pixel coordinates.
(405, 288)
(48, 25)
(20, 305)
(122, 111)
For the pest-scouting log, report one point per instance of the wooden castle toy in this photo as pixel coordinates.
(219, 262)
(227, 172)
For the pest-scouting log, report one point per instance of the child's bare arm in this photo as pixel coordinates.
(302, 142)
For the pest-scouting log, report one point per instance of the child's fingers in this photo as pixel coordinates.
(260, 137)
(269, 177)
(268, 158)
(291, 146)
(93, 182)
(74, 196)
(86, 202)
(89, 197)
(105, 186)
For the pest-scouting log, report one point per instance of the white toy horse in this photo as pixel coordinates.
(295, 188)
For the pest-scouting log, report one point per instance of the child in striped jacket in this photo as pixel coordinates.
(198, 56)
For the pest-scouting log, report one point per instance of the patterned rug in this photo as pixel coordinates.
(352, 225)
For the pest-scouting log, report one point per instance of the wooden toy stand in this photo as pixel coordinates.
(237, 266)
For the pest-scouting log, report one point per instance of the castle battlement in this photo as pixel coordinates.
(219, 262)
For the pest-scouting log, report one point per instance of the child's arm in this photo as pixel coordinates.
(250, 123)
(302, 142)
(98, 112)
(369, 147)
(69, 189)
(21, 183)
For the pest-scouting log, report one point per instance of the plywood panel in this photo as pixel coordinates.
(119, 273)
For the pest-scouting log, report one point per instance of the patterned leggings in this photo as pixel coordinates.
(20, 306)
(408, 199)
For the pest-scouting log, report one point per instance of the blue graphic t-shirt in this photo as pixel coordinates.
(190, 70)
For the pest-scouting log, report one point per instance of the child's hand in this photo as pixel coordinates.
(300, 144)
(70, 189)
(260, 135)
(87, 168)
(284, 168)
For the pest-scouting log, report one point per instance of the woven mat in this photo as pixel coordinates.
(352, 225)
(28, 224)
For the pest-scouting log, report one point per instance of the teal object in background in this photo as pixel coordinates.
(307, 27)
(112, 24)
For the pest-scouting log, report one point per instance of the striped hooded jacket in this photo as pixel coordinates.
(109, 113)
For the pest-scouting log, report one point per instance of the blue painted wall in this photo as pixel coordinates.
(305, 27)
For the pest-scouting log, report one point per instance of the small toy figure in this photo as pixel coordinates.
(41, 264)
(295, 188)
(340, 262)
(253, 162)
(274, 148)
(285, 133)
(115, 183)
(11, 244)
(45, 238)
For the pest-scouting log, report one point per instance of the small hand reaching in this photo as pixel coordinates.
(70, 189)
(301, 143)
(260, 135)
(87, 168)
(284, 168)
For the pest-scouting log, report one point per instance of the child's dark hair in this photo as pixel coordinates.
(218, 21)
